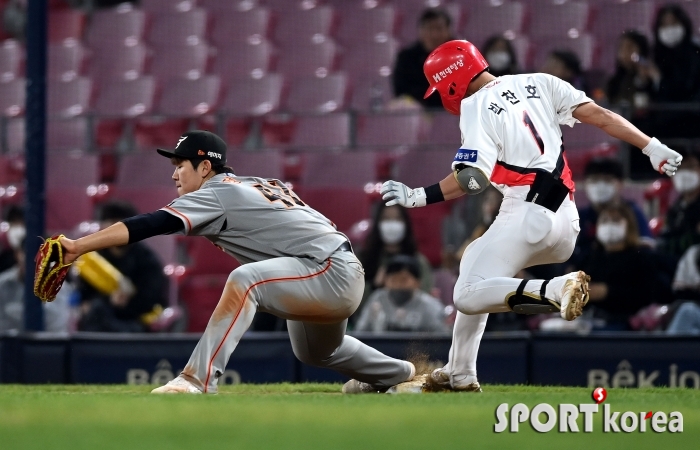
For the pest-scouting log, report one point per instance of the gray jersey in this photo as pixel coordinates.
(254, 219)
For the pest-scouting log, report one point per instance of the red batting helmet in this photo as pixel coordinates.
(449, 70)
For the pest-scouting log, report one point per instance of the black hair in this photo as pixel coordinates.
(604, 166)
(216, 168)
(116, 210)
(680, 14)
(639, 40)
(14, 213)
(373, 249)
(569, 59)
(432, 14)
(403, 262)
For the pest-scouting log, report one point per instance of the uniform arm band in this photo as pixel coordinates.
(433, 194)
(147, 225)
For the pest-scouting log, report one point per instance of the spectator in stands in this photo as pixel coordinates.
(625, 276)
(56, 313)
(391, 235)
(400, 305)
(635, 75)
(501, 57)
(408, 77)
(564, 64)
(678, 58)
(603, 187)
(682, 224)
(125, 310)
(14, 217)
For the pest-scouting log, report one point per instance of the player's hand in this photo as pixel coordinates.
(663, 159)
(70, 249)
(395, 193)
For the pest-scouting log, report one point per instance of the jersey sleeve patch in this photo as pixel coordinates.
(467, 155)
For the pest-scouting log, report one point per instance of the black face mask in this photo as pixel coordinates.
(400, 296)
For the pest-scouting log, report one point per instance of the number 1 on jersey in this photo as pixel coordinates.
(533, 131)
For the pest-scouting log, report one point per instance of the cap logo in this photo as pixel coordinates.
(200, 152)
(180, 141)
(448, 70)
(214, 155)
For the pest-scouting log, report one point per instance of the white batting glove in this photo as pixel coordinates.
(395, 193)
(662, 158)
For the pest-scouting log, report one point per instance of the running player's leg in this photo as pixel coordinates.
(326, 345)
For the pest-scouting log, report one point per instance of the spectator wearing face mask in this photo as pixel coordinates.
(501, 57)
(603, 186)
(678, 60)
(400, 305)
(13, 237)
(625, 276)
(682, 224)
(391, 235)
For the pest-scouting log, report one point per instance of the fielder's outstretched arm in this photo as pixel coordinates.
(663, 159)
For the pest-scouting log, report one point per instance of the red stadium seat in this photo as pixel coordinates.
(584, 136)
(219, 6)
(146, 170)
(250, 26)
(498, 18)
(390, 129)
(118, 63)
(69, 98)
(371, 58)
(11, 56)
(66, 207)
(367, 25)
(305, 60)
(66, 24)
(614, 18)
(66, 59)
(71, 169)
(188, 61)
(164, 246)
(200, 294)
(561, 19)
(444, 129)
(264, 164)
(15, 134)
(126, 98)
(147, 199)
(583, 46)
(206, 258)
(181, 28)
(167, 6)
(328, 131)
(191, 98)
(304, 26)
(254, 96)
(423, 167)
(343, 206)
(286, 6)
(12, 97)
(122, 25)
(371, 93)
(239, 60)
(345, 169)
(67, 134)
(318, 95)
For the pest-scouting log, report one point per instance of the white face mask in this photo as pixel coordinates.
(392, 231)
(15, 235)
(671, 35)
(600, 192)
(611, 232)
(498, 60)
(685, 180)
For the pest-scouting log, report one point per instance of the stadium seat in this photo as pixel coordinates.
(371, 58)
(219, 6)
(330, 131)
(67, 134)
(145, 171)
(367, 25)
(126, 98)
(304, 60)
(444, 129)
(304, 26)
(425, 166)
(286, 6)
(188, 61)
(250, 26)
(12, 97)
(11, 56)
(583, 46)
(66, 24)
(69, 98)
(180, 28)
(165, 248)
(558, 19)
(167, 6)
(371, 92)
(613, 18)
(318, 95)
(340, 170)
(263, 164)
(66, 59)
(191, 98)
(14, 137)
(497, 18)
(343, 206)
(71, 169)
(123, 25)
(254, 96)
(200, 294)
(118, 62)
(583, 136)
(12, 167)
(66, 207)
(243, 60)
(390, 129)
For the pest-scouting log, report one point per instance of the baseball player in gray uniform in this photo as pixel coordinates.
(296, 265)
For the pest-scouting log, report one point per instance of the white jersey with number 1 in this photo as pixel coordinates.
(510, 128)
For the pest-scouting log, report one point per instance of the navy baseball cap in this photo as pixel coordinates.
(198, 144)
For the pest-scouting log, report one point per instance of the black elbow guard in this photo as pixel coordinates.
(471, 179)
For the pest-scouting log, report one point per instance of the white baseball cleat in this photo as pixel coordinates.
(571, 292)
(441, 379)
(177, 386)
(359, 387)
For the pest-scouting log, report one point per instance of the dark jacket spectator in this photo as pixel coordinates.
(682, 224)
(408, 76)
(564, 64)
(501, 57)
(635, 74)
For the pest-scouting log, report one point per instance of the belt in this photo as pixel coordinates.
(345, 247)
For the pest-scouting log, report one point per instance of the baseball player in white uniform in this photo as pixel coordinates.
(296, 265)
(511, 138)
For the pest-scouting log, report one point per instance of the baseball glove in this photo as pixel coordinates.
(50, 271)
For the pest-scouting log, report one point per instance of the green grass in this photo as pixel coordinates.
(315, 416)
